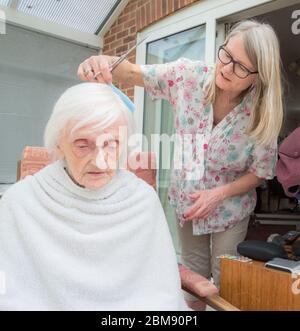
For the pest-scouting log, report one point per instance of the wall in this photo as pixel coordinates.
(137, 15)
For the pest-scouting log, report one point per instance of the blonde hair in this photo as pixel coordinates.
(262, 47)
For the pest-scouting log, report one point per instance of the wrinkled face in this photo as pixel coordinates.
(226, 80)
(92, 158)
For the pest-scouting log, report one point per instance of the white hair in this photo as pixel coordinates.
(93, 104)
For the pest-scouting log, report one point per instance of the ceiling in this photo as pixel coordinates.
(87, 16)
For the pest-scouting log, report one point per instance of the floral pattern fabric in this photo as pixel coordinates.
(228, 152)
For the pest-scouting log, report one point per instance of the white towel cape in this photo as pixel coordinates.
(63, 247)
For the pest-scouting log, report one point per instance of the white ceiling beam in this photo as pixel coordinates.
(50, 28)
(14, 4)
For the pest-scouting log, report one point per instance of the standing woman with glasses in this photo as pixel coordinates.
(237, 106)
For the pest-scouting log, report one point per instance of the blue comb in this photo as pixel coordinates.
(128, 103)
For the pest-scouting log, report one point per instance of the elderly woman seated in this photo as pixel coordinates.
(82, 233)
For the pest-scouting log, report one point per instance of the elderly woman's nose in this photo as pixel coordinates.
(100, 159)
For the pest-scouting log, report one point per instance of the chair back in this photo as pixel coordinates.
(35, 158)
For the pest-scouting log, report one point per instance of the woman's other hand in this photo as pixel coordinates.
(205, 202)
(96, 65)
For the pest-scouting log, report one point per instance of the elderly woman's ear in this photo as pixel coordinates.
(59, 152)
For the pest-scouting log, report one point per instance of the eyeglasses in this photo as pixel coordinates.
(239, 69)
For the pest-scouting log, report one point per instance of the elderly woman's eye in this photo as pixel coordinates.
(81, 145)
(114, 143)
(111, 144)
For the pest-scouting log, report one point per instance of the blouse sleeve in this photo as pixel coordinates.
(264, 160)
(162, 81)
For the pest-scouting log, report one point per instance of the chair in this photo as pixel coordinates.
(35, 158)
(275, 189)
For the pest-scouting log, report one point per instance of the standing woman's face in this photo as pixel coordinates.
(226, 79)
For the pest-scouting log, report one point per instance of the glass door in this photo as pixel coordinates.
(158, 116)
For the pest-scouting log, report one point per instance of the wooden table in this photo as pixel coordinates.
(251, 286)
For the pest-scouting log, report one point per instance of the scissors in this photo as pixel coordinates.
(121, 59)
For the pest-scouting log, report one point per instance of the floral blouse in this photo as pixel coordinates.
(228, 153)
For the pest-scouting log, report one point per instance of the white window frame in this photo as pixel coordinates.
(214, 14)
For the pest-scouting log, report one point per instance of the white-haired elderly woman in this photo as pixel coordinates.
(236, 107)
(82, 233)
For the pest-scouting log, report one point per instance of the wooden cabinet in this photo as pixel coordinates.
(251, 286)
